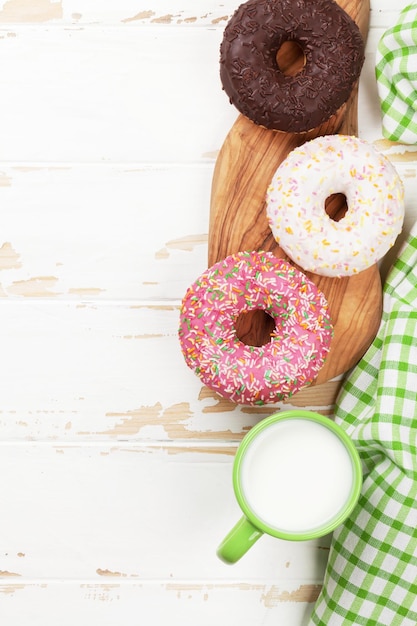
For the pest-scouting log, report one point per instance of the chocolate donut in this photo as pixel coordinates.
(333, 51)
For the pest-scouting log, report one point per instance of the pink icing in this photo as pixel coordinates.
(251, 374)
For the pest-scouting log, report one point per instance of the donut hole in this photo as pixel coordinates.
(254, 328)
(290, 58)
(336, 206)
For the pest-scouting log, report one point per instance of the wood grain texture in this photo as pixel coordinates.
(244, 168)
(132, 510)
(115, 461)
(115, 599)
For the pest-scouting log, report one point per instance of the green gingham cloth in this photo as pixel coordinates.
(396, 74)
(371, 575)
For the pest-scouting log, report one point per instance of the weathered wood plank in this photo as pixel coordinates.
(211, 13)
(116, 600)
(111, 94)
(102, 231)
(102, 513)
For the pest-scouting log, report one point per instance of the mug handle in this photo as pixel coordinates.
(238, 541)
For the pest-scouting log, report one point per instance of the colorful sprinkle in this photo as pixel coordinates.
(249, 374)
(296, 205)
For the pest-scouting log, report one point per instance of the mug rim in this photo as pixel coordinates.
(335, 521)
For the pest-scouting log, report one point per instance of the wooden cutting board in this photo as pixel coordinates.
(244, 168)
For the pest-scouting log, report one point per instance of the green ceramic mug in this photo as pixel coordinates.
(297, 476)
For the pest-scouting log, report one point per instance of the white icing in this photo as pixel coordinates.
(296, 205)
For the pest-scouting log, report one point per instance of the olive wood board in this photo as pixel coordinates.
(244, 168)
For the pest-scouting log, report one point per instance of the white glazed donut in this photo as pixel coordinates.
(296, 205)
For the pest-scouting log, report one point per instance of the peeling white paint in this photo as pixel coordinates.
(116, 463)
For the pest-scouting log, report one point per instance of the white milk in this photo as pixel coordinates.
(296, 475)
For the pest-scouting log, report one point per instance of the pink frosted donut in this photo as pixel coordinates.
(251, 374)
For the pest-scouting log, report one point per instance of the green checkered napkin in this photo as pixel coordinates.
(371, 576)
(396, 73)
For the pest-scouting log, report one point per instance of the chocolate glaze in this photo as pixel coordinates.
(334, 54)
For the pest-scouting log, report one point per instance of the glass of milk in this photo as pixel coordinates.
(296, 475)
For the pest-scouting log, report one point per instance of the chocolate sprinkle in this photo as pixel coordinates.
(333, 49)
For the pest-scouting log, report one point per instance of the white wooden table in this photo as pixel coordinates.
(115, 463)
